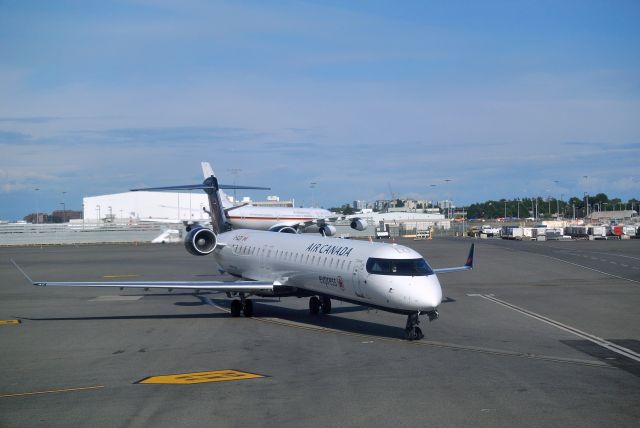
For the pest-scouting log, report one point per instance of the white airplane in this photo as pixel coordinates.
(283, 219)
(273, 219)
(390, 277)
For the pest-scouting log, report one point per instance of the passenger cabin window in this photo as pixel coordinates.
(399, 267)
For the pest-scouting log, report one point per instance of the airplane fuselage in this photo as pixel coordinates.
(263, 218)
(389, 276)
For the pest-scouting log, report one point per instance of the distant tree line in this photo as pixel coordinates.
(548, 207)
(345, 209)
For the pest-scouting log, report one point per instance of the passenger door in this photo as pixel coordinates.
(356, 279)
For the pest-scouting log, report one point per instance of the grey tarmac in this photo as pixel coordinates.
(76, 355)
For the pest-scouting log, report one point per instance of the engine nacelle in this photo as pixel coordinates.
(358, 224)
(283, 229)
(200, 241)
(327, 230)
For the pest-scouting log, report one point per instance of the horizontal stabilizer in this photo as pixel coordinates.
(198, 187)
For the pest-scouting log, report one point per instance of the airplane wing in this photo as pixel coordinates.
(224, 286)
(203, 222)
(323, 221)
(467, 266)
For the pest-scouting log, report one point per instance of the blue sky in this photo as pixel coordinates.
(504, 98)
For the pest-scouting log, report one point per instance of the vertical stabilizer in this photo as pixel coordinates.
(216, 209)
(224, 198)
(212, 189)
(207, 171)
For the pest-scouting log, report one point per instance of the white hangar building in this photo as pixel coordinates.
(121, 207)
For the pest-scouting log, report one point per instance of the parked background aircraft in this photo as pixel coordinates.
(274, 219)
(390, 277)
(284, 219)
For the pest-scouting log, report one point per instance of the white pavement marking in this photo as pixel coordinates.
(590, 337)
(430, 343)
(590, 268)
(617, 255)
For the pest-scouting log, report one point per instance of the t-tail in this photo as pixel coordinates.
(212, 188)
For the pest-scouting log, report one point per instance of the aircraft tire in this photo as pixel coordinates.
(326, 305)
(236, 307)
(314, 305)
(248, 308)
(413, 333)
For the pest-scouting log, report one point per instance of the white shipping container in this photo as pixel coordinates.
(511, 232)
(629, 230)
(598, 231)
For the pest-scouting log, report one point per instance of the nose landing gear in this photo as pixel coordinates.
(412, 331)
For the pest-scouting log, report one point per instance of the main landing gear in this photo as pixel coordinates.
(242, 305)
(412, 331)
(317, 304)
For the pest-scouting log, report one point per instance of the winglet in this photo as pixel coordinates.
(467, 266)
(469, 263)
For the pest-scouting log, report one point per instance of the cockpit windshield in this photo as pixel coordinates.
(398, 267)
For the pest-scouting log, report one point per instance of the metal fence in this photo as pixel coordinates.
(94, 232)
(76, 233)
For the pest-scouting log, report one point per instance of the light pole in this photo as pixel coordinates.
(64, 200)
(586, 204)
(586, 194)
(432, 186)
(234, 172)
(64, 211)
(312, 185)
(37, 206)
(98, 208)
(557, 201)
(447, 181)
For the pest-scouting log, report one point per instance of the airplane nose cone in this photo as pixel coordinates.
(432, 296)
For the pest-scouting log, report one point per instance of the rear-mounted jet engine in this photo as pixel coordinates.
(200, 241)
